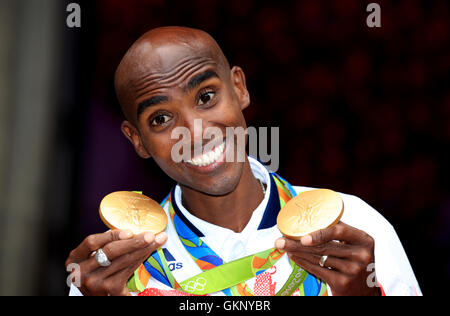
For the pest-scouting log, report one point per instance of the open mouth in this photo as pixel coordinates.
(208, 158)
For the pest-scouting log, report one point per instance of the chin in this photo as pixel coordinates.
(220, 189)
(219, 184)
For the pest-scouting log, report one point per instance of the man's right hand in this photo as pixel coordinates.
(126, 253)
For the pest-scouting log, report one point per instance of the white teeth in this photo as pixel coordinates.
(209, 157)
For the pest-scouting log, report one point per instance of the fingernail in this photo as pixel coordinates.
(125, 234)
(161, 238)
(280, 243)
(149, 238)
(306, 240)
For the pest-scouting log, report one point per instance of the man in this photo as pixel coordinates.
(223, 211)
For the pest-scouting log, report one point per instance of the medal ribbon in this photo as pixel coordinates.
(219, 276)
(230, 275)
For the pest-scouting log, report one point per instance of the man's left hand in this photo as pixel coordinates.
(350, 251)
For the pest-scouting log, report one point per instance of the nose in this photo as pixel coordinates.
(191, 126)
(197, 124)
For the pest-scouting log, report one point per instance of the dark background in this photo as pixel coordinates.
(361, 110)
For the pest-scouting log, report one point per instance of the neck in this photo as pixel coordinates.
(233, 210)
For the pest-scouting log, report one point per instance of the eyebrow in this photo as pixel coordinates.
(197, 80)
(192, 84)
(150, 102)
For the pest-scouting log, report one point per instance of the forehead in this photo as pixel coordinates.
(168, 65)
(163, 62)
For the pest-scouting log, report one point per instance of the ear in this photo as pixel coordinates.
(132, 134)
(240, 87)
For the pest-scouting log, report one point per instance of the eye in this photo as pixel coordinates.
(160, 120)
(206, 97)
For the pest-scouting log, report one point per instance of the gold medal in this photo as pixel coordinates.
(309, 212)
(132, 211)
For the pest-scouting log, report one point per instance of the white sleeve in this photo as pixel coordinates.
(74, 291)
(393, 270)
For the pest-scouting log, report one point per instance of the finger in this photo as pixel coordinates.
(362, 255)
(94, 242)
(94, 277)
(90, 267)
(87, 267)
(341, 265)
(133, 259)
(340, 232)
(97, 280)
(118, 248)
(115, 283)
(129, 260)
(333, 248)
(141, 250)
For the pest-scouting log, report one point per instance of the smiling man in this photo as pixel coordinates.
(223, 211)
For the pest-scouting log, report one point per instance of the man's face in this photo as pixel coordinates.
(181, 87)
